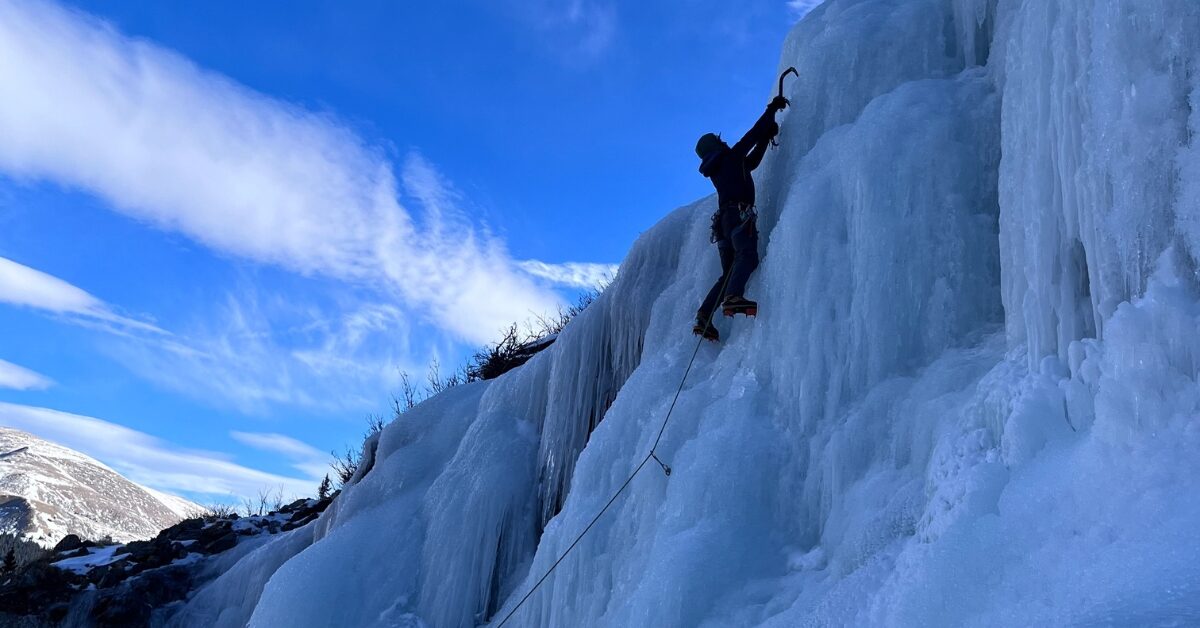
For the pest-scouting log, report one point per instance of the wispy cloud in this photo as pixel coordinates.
(593, 23)
(189, 151)
(481, 292)
(304, 457)
(20, 378)
(257, 352)
(800, 8)
(149, 460)
(23, 286)
(248, 355)
(573, 275)
(580, 30)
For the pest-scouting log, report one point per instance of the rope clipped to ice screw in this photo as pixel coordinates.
(653, 455)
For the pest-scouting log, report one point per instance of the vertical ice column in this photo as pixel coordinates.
(885, 253)
(1095, 103)
(974, 23)
(596, 354)
(839, 76)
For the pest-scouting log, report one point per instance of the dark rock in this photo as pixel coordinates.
(132, 603)
(140, 556)
(69, 543)
(96, 575)
(226, 542)
(213, 532)
(186, 530)
(112, 578)
(144, 576)
(307, 514)
(294, 506)
(58, 612)
(300, 522)
(37, 588)
(136, 549)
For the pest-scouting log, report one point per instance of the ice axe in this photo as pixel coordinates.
(791, 70)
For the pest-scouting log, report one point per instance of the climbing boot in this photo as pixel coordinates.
(739, 305)
(705, 330)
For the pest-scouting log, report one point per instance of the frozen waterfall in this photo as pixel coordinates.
(971, 396)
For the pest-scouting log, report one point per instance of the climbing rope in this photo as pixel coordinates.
(652, 455)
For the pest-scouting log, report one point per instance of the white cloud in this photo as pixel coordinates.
(801, 7)
(23, 286)
(278, 443)
(482, 291)
(593, 23)
(20, 378)
(146, 459)
(572, 274)
(189, 151)
(249, 356)
(304, 457)
(258, 352)
(579, 30)
(339, 361)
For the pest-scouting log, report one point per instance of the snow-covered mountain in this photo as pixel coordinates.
(48, 491)
(971, 398)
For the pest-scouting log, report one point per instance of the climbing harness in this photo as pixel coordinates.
(745, 213)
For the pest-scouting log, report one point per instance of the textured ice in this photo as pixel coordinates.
(971, 396)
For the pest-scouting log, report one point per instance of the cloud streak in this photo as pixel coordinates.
(245, 359)
(19, 378)
(146, 459)
(800, 8)
(23, 286)
(189, 151)
(580, 30)
(304, 457)
(258, 352)
(573, 275)
(592, 25)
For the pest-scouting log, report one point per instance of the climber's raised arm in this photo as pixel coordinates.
(760, 134)
(758, 152)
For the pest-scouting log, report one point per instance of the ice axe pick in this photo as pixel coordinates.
(791, 70)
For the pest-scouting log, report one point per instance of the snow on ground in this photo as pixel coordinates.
(970, 398)
(96, 557)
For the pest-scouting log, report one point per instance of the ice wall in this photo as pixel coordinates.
(1097, 97)
(970, 398)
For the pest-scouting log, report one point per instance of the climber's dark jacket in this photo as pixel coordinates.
(729, 168)
(734, 230)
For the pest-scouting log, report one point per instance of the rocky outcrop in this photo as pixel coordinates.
(83, 583)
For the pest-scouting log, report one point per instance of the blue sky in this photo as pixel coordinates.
(227, 227)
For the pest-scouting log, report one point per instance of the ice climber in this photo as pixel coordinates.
(733, 226)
